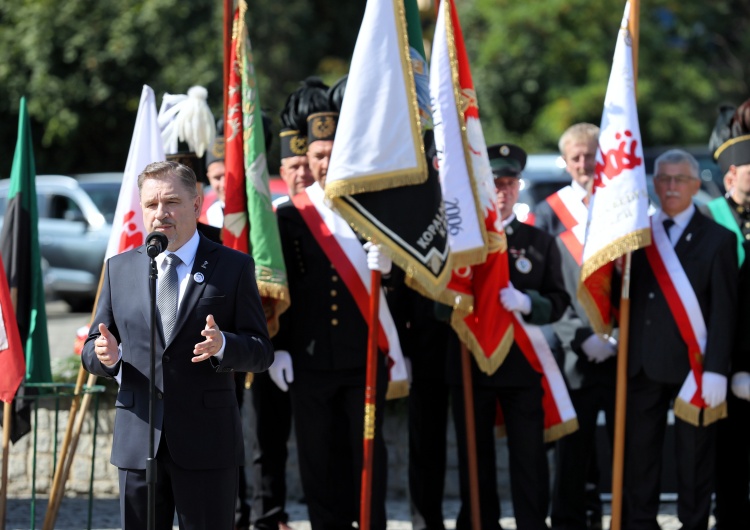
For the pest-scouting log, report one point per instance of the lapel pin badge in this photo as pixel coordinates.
(689, 237)
(205, 263)
(198, 277)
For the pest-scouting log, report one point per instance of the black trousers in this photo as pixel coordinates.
(732, 509)
(428, 425)
(529, 474)
(202, 498)
(329, 424)
(647, 406)
(575, 454)
(270, 412)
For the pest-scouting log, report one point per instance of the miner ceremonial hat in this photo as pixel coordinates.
(322, 125)
(506, 160)
(732, 137)
(310, 97)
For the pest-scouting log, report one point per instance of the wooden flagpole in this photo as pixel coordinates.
(471, 440)
(227, 43)
(618, 450)
(371, 389)
(7, 420)
(70, 439)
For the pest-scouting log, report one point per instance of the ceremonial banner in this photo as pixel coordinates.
(146, 147)
(382, 177)
(249, 219)
(19, 246)
(475, 231)
(618, 210)
(12, 363)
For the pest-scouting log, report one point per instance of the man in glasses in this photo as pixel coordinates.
(683, 305)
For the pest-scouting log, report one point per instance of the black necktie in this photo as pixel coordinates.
(168, 293)
(668, 223)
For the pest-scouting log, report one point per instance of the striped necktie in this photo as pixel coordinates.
(167, 298)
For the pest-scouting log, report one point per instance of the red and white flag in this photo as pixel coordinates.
(146, 147)
(476, 238)
(618, 210)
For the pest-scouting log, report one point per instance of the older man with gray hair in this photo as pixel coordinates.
(683, 302)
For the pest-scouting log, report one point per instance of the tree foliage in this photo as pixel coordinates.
(537, 66)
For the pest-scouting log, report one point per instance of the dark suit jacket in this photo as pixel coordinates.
(574, 326)
(196, 407)
(708, 255)
(323, 329)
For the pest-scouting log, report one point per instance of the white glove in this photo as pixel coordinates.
(376, 260)
(741, 385)
(597, 349)
(514, 300)
(281, 370)
(714, 388)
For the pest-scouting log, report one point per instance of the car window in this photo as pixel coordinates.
(104, 195)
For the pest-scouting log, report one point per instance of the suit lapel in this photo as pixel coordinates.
(203, 266)
(691, 233)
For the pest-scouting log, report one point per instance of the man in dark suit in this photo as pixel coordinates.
(730, 143)
(588, 361)
(537, 293)
(683, 304)
(323, 335)
(198, 433)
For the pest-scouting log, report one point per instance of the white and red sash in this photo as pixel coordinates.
(573, 215)
(344, 250)
(559, 414)
(686, 311)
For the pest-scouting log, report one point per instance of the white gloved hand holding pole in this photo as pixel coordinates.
(376, 260)
(714, 388)
(597, 349)
(514, 300)
(741, 385)
(281, 370)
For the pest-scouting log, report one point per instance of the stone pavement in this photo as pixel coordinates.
(74, 515)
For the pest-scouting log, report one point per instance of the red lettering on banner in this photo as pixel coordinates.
(617, 160)
(130, 237)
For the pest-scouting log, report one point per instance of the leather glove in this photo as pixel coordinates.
(514, 300)
(741, 385)
(714, 388)
(376, 260)
(597, 349)
(281, 370)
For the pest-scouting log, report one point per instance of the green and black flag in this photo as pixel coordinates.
(383, 175)
(19, 247)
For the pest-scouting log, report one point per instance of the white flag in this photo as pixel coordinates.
(618, 213)
(146, 147)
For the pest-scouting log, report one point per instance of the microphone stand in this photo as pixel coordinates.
(151, 466)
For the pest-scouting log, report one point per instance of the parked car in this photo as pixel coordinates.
(75, 220)
(543, 175)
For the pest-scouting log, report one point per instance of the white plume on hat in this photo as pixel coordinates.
(187, 118)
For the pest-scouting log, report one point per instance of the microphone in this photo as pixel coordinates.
(156, 243)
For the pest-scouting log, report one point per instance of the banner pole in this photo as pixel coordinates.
(621, 392)
(7, 422)
(471, 441)
(365, 503)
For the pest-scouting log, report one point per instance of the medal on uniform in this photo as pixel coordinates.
(198, 277)
(523, 264)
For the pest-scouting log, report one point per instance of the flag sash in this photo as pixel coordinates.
(573, 216)
(559, 414)
(343, 249)
(686, 311)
